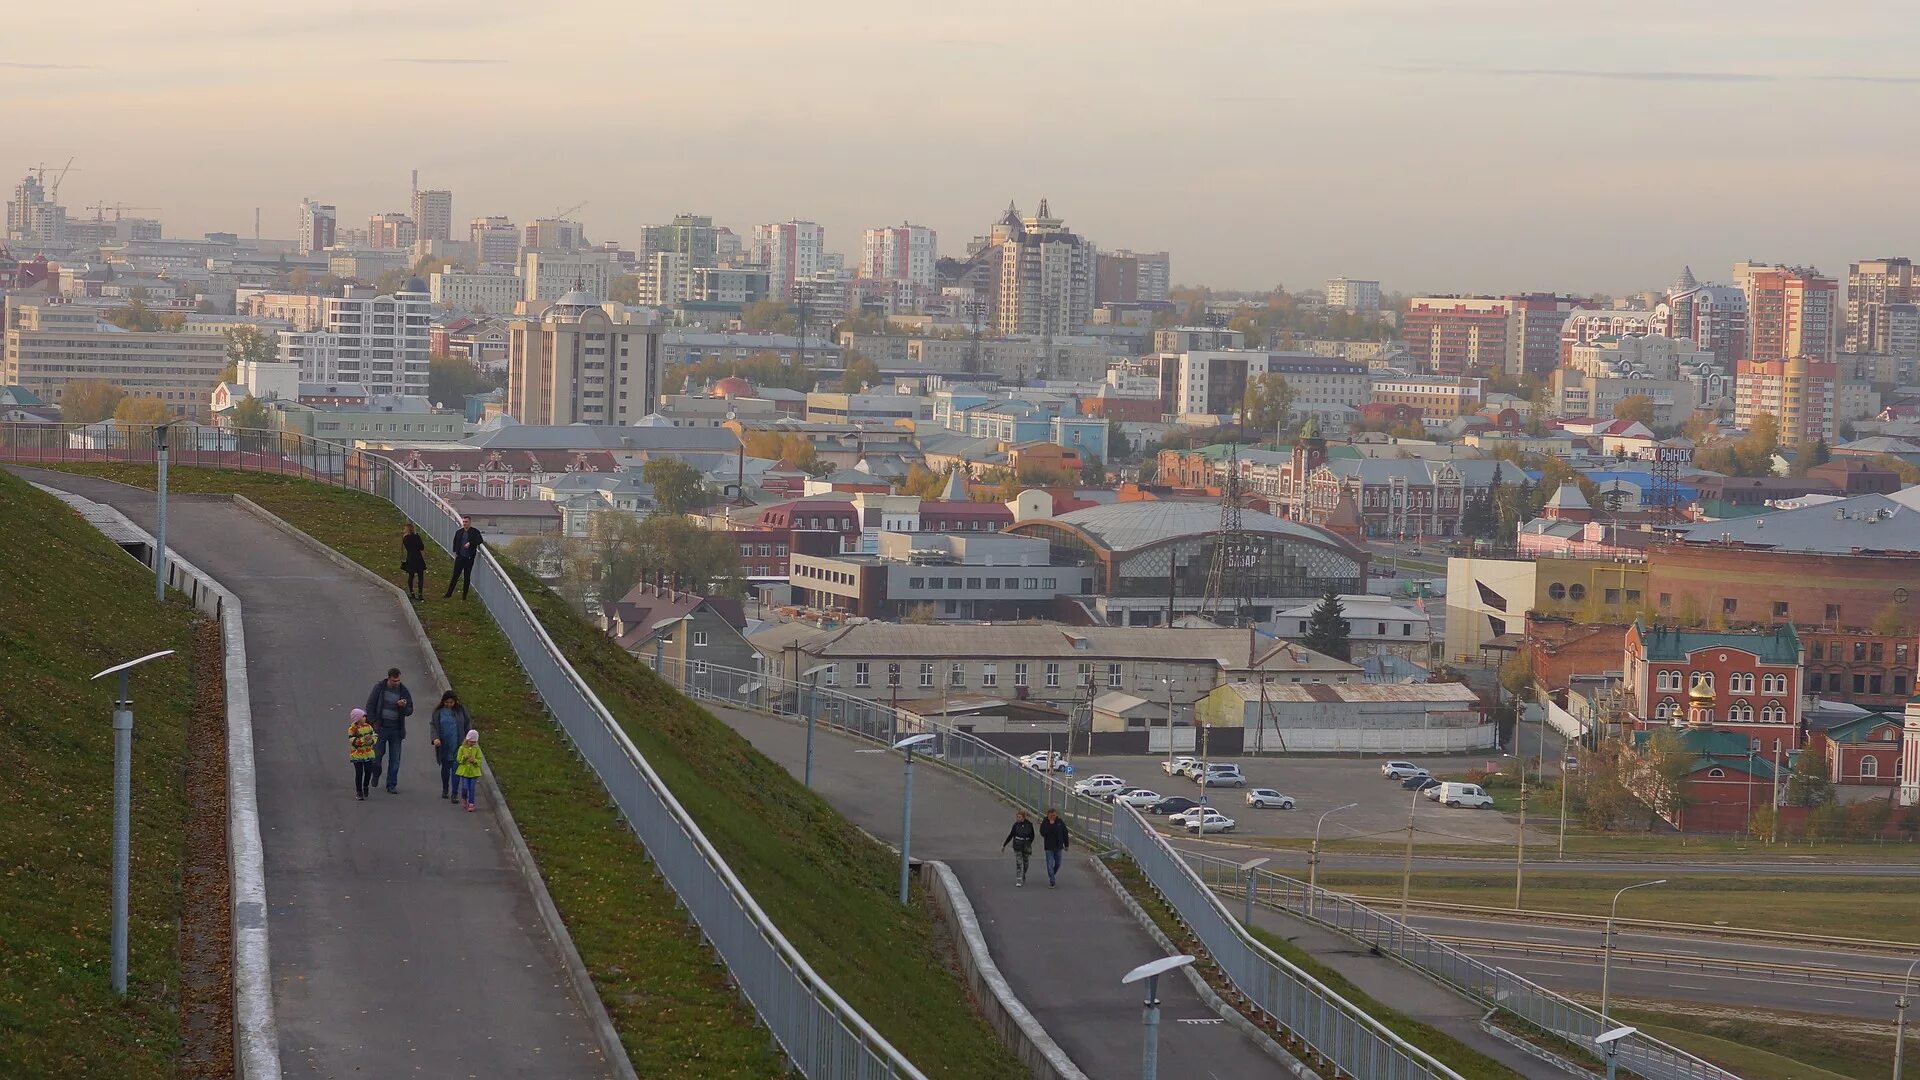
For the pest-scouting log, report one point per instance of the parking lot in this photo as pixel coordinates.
(1320, 784)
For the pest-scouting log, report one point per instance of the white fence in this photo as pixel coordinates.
(1377, 740)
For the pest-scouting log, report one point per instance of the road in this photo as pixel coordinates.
(1063, 950)
(404, 942)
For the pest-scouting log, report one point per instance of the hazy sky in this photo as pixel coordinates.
(1433, 144)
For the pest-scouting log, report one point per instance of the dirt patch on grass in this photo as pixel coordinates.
(206, 923)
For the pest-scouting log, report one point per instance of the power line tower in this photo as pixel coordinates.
(1668, 459)
(1226, 600)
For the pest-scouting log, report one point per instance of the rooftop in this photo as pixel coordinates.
(1667, 644)
(1128, 526)
(1862, 525)
(1227, 648)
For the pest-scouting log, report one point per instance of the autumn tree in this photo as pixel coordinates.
(248, 344)
(625, 290)
(769, 316)
(1637, 407)
(136, 315)
(1668, 763)
(251, 414)
(1269, 403)
(1093, 471)
(451, 378)
(924, 482)
(859, 374)
(677, 486)
(89, 401)
(140, 411)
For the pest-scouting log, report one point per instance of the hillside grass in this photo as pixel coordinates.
(830, 888)
(73, 604)
(1760, 1048)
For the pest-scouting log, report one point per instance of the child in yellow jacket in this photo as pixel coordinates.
(361, 739)
(466, 768)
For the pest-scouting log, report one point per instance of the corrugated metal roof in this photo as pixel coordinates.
(1127, 526)
(1359, 692)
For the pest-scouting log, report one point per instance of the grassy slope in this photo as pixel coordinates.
(829, 888)
(1758, 1050)
(72, 604)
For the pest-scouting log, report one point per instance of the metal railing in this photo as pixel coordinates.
(822, 1035)
(1497, 988)
(1319, 1019)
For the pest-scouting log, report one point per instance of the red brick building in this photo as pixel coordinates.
(1751, 682)
(1862, 752)
(1458, 335)
(477, 472)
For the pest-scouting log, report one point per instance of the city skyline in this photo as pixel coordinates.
(1650, 115)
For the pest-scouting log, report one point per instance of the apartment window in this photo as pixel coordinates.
(893, 674)
(973, 583)
(993, 583)
(699, 667)
(1877, 652)
(1030, 583)
(1666, 600)
(746, 550)
(1873, 684)
(699, 637)
(989, 674)
(1813, 682)
(1086, 674)
(926, 674)
(1053, 674)
(1899, 685)
(957, 674)
(1113, 675)
(1049, 583)
(1859, 651)
(1900, 655)
(1613, 597)
(1859, 684)
(1406, 629)
(1819, 650)
(1729, 605)
(1020, 674)
(916, 583)
(831, 676)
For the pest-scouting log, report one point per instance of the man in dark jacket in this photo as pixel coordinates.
(1021, 837)
(388, 706)
(1053, 837)
(467, 543)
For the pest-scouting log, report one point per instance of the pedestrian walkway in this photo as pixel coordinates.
(1063, 950)
(404, 940)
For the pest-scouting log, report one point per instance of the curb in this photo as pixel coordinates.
(613, 1051)
(1227, 1012)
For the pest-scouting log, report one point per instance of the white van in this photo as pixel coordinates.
(1472, 796)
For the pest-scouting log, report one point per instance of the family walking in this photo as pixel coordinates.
(376, 733)
(467, 542)
(1053, 839)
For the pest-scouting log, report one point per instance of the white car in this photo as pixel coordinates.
(1400, 770)
(1177, 766)
(1138, 797)
(1209, 821)
(1266, 798)
(1047, 761)
(1100, 785)
(1220, 776)
(1179, 820)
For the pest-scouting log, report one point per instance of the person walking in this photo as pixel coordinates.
(1053, 837)
(389, 704)
(414, 562)
(467, 543)
(469, 768)
(450, 724)
(1021, 837)
(360, 743)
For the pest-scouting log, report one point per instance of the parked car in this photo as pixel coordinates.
(1432, 791)
(1468, 795)
(1209, 820)
(1221, 776)
(1570, 763)
(1173, 804)
(1180, 819)
(1139, 798)
(1100, 785)
(1419, 782)
(1266, 798)
(1047, 761)
(1175, 766)
(1400, 770)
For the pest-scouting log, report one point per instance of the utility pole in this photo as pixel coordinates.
(1520, 852)
(1406, 867)
(160, 532)
(1565, 754)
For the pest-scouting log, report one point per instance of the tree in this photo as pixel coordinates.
(769, 316)
(1810, 455)
(616, 543)
(1634, 407)
(859, 374)
(1516, 676)
(450, 379)
(919, 615)
(140, 411)
(89, 401)
(1327, 630)
(677, 486)
(924, 482)
(248, 344)
(1807, 781)
(1269, 403)
(1478, 519)
(626, 290)
(136, 315)
(1669, 763)
(251, 414)
(1093, 471)
(704, 560)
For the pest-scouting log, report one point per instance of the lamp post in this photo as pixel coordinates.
(1606, 945)
(123, 812)
(1900, 1019)
(1150, 1020)
(1168, 679)
(1406, 866)
(1566, 753)
(906, 804)
(1247, 870)
(1313, 859)
(160, 532)
(1520, 850)
(1609, 1043)
(812, 675)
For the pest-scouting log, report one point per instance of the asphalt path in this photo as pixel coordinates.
(403, 940)
(1063, 950)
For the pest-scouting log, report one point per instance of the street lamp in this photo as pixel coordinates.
(1606, 944)
(1150, 1020)
(1609, 1043)
(1900, 1019)
(1168, 679)
(1313, 858)
(1406, 867)
(160, 533)
(1247, 870)
(123, 811)
(906, 804)
(812, 675)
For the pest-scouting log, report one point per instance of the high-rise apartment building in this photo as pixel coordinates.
(1712, 316)
(1353, 294)
(318, 222)
(791, 251)
(383, 340)
(575, 364)
(1801, 393)
(1871, 287)
(1460, 335)
(1534, 338)
(900, 253)
(33, 219)
(432, 219)
(554, 235)
(1046, 275)
(495, 240)
(1793, 312)
(1131, 277)
(493, 291)
(391, 231)
(51, 345)
(671, 253)
(549, 275)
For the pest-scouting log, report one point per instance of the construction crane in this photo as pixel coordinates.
(100, 211)
(53, 193)
(563, 214)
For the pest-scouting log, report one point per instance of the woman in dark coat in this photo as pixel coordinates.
(450, 726)
(414, 562)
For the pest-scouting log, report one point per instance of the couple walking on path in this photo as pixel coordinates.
(1053, 837)
(467, 543)
(378, 731)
